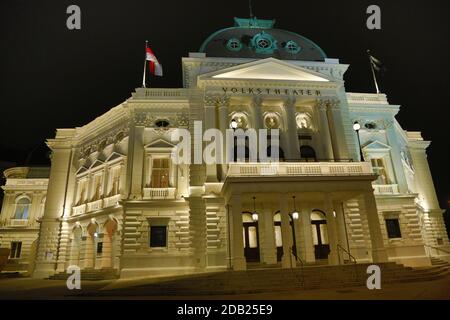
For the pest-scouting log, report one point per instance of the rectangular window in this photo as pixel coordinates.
(380, 169)
(160, 173)
(158, 236)
(393, 228)
(16, 249)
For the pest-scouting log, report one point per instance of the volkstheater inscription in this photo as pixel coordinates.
(272, 91)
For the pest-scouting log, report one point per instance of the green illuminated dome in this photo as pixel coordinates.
(256, 38)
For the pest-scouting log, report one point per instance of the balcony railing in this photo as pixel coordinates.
(111, 201)
(385, 188)
(300, 168)
(95, 205)
(159, 193)
(79, 209)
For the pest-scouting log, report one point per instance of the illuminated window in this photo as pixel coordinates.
(22, 208)
(114, 180)
(97, 187)
(160, 173)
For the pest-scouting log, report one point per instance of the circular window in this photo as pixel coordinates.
(264, 43)
(292, 47)
(234, 44)
(162, 123)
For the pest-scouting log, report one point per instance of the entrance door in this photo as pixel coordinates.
(320, 235)
(251, 241)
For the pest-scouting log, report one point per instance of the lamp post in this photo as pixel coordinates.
(357, 127)
(254, 214)
(294, 215)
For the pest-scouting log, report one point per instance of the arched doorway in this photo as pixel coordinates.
(279, 237)
(307, 153)
(107, 254)
(320, 234)
(251, 238)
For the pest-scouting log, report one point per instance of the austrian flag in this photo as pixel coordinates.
(154, 66)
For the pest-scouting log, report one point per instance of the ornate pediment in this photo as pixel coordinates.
(376, 146)
(267, 69)
(160, 144)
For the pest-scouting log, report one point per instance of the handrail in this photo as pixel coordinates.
(346, 251)
(350, 257)
(297, 258)
(436, 248)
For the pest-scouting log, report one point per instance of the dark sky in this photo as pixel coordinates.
(52, 77)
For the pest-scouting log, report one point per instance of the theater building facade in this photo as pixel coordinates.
(115, 199)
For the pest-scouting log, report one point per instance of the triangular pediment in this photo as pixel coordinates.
(267, 69)
(376, 145)
(160, 143)
(113, 156)
(96, 164)
(81, 170)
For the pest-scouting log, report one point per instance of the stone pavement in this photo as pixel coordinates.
(25, 288)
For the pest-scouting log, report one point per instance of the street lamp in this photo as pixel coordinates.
(295, 213)
(233, 124)
(254, 214)
(357, 127)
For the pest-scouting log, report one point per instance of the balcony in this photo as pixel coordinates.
(382, 189)
(111, 201)
(79, 209)
(159, 193)
(300, 168)
(95, 205)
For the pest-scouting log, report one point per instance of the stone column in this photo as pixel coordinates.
(290, 130)
(338, 137)
(238, 261)
(210, 123)
(340, 225)
(333, 258)
(395, 154)
(223, 104)
(137, 161)
(54, 206)
(307, 249)
(288, 260)
(379, 253)
(325, 134)
(268, 249)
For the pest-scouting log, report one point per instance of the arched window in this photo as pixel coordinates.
(246, 151)
(22, 207)
(307, 153)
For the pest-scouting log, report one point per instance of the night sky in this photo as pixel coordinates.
(52, 77)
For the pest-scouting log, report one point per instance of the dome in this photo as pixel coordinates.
(256, 38)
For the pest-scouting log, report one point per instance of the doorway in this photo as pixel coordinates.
(251, 238)
(279, 237)
(320, 234)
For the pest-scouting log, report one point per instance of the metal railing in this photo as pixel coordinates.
(350, 257)
(297, 259)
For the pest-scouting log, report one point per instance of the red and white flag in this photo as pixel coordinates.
(154, 66)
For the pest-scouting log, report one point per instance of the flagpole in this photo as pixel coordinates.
(373, 72)
(145, 64)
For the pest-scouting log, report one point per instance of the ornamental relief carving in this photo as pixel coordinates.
(99, 144)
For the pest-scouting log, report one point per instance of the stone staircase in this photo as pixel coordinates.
(439, 262)
(275, 279)
(90, 274)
